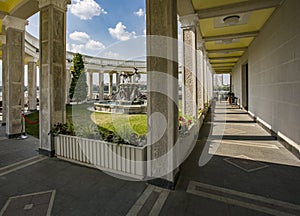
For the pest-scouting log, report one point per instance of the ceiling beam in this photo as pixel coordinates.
(185, 7)
(222, 67)
(231, 36)
(227, 50)
(236, 8)
(223, 63)
(224, 58)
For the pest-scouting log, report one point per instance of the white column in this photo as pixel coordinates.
(189, 75)
(90, 85)
(200, 71)
(118, 80)
(15, 47)
(101, 85)
(205, 77)
(4, 75)
(52, 69)
(162, 91)
(68, 83)
(32, 94)
(110, 87)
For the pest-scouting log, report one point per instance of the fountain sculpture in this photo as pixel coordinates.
(128, 98)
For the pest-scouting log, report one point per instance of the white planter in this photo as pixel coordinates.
(121, 159)
(188, 141)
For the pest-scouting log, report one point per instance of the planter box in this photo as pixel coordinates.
(188, 141)
(120, 159)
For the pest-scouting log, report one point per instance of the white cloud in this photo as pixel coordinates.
(86, 9)
(140, 12)
(120, 33)
(94, 45)
(84, 43)
(79, 36)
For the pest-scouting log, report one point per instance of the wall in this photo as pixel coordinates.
(274, 73)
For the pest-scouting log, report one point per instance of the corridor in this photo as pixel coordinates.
(236, 168)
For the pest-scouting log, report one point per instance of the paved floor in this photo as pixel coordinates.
(236, 168)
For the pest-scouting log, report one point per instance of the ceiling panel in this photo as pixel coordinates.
(242, 42)
(204, 4)
(255, 21)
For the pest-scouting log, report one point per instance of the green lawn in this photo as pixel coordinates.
(82, 118)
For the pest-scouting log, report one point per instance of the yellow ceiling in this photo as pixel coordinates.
(256, 21)
(223, 60)
(221, 40)
(204, 4)
(230, 54)
(243, 42)
(8, 5)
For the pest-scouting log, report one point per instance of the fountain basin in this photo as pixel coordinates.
(122, 107)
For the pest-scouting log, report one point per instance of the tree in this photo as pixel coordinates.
(78, 87)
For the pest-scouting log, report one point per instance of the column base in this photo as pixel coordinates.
(46, 152)
(13, 136)
(163, 183)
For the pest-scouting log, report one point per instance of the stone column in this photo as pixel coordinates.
(68, 84)
(118, 80)
(90, 86)
(32, 94)
(110, 85)
(162, 83)
(200, 88)
(52, 69)
(189, 75)
(15, 47)
(101, 85)
(4, 72)
(205, 77)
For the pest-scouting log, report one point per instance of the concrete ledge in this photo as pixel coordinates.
(46, 152)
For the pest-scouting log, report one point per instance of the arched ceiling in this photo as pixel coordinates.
(224, 41)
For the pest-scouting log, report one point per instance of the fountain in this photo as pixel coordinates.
(128, 99)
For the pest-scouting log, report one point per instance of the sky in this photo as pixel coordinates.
(102, 27)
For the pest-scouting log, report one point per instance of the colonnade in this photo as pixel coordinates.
(55, 78)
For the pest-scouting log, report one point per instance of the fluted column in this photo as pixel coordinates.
(15, 47)
(4, 72)
(52, 69)
(32, 94)
(189, 75)
(101, 85)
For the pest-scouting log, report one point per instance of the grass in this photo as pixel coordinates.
(121, 124)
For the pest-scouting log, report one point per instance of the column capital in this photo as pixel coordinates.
(61, 4)
(200, 45)
(14, 22)
(3, 39)
(32, 59)
(189, 21)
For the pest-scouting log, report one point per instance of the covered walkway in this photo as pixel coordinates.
(241, 170)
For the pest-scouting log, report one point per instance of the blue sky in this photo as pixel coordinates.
(94, 26)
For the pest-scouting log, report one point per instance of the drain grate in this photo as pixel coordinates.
(30, 204)
(245, 163)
